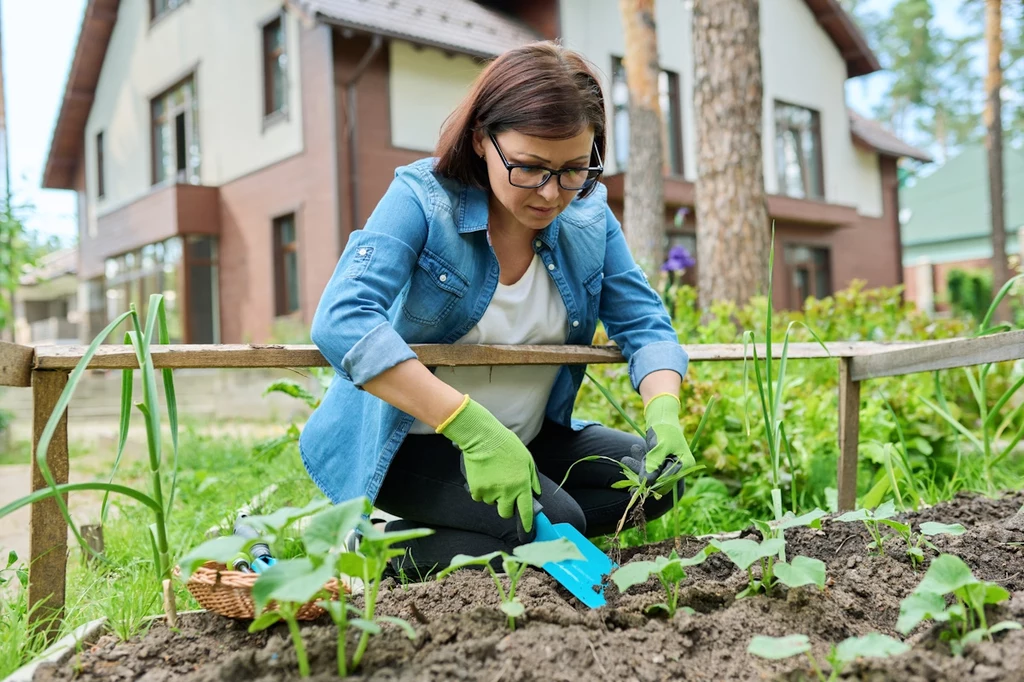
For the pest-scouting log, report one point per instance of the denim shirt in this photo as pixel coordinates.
(423, 271)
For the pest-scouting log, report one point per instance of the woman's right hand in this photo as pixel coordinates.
(499, 468)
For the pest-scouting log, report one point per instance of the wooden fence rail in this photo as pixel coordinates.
(46, 369)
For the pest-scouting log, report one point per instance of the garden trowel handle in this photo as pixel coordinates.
(524, 537)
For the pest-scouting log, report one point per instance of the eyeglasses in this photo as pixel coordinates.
(532, 177)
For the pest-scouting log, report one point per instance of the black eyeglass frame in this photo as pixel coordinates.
(551, 172)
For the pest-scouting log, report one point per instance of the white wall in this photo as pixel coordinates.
(425, 86)
(221, 42)
(800, 65)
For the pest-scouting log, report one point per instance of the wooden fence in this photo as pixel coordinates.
(46, 369)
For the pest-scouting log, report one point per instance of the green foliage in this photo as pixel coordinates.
(21, 249)
(966, 619)
(746, 553)
(872, 645)
(534, 554)
(272, 447)
(669, 572)
(970, 292)
(882, 516)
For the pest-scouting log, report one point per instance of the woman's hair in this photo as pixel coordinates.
(540, 89)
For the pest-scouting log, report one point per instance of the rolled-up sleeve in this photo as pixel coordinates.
(633, 313)
(350, 326)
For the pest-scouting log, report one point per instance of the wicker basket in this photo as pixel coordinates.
(229, 592)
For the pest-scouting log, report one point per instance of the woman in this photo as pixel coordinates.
(506, 237)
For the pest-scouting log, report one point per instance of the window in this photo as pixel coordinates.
(798, 152)
(131, 278)
(158, 8)
(275, 61)
(809, 274)
(286, 265)
(100, 190)
(176, 135)
(203, 292)
(668, 97)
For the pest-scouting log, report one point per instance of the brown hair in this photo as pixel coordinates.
(540, 89)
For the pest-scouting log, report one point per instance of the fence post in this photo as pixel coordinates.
(849, 432)
(48, 543)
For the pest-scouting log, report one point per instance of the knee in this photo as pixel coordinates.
(655, 508)
(564, 509)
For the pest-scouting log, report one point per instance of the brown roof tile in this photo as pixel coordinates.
(874, 135)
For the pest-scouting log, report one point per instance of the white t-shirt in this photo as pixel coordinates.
(530, 311)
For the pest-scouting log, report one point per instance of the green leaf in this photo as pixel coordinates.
(933, 528)
(854, 516)
(899, 527)
(264, 621)
(408, 629)
(285, 516)
(777, 648)
(513, 609)
(539, 553)
(811, 519)
(620, 485)
(1004, 625)
(222, 549)
(945, 574)
(745, 552)
(365, 625)
(917, 607)
(871, 645)
(916, 552)
(328, 529)
(801, 571)
(633, 573)
(463, 560)
(295, 390)
(886, 510)
(372, 534)
(12, 556)
(290, 580)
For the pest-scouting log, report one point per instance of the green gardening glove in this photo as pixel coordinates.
(664, 433)
(499, 468)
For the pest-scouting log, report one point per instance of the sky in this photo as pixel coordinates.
(39, 38)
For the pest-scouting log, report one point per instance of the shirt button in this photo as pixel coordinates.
(362, 252)
(537, 243)
(551, 266)
(575, 323)
(443, 278)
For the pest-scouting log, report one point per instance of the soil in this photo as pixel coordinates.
(463, 636)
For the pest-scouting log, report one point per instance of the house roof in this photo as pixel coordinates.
(51, 266)
(874, 135)
(852, 44)
(952, 203)
(460, 25)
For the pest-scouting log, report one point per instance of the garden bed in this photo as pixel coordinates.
(463, 636)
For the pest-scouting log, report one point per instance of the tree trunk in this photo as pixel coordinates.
(732, 217)
(644, 215)
(994, 146)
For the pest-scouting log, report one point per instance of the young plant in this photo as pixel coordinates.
(325, 540)
(872, 645)
(745, 553)
(966, 618)
(534, 554)
(873, 519)
(670, 574)
(916, 542)
(272, 447)
(777, 529)
(999, 434)
(161, 474)
(771, 395)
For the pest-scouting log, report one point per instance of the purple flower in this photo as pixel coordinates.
(678, 259)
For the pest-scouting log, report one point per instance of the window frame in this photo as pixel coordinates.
(155, 16)
(100, 179)
(279, 251)
(811, 192)
(271, 115)
(187, 108)
(673, 147)
(811, 266)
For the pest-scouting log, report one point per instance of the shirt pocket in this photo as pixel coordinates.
(434, 290)
(593, 286)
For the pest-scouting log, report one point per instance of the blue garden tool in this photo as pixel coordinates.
(260, 552)
(584, 578)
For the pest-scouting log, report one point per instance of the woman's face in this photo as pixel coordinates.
(535, 208)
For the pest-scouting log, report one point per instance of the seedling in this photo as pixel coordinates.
(777, 529)
(745, 553)
(966, 619)
(882, 515)
(670, 574)
(534, 554)
(872, 645)
(916, 542)
(11, 572)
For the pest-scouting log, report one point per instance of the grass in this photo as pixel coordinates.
(217, 475)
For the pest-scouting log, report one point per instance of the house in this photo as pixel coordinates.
(46, 301)
(945, 221)
(223, 151)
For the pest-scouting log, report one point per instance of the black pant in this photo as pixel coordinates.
(425, 487)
